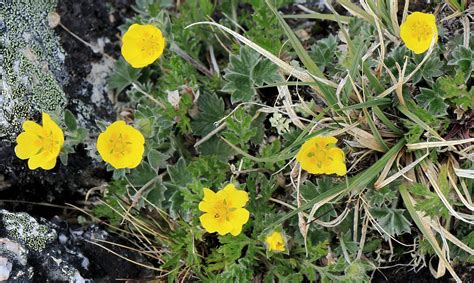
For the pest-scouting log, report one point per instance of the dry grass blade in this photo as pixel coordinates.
(287, 68)
(426, 230)
(365, 139)
(400, 173)
(130, 260)
(422, 145)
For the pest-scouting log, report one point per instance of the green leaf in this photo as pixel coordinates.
(428, 201)
(70, 120)
(215, 146)
(179, 173)
(432, 69)
(455, 90)
(356, 182)
(141, 175)
(463, 58)
(239, 130)
(309, 190)
(157, 159)
(432, 101)
(382, 196)
(323, 52)
(123, 76)
(112, 198)
(427, 233)
(246, 71)
(211, 110)
(391, 220)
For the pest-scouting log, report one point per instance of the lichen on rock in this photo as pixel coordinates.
(25, 229)
(32, 64)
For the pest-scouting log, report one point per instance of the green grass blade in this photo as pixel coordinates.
(370, 103)
(386, 121)
(425, 229)
(319, 16)
(303, 55)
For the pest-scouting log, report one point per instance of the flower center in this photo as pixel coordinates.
(119, 145)
(421, 30)
(279, 245)
(222, 211)
(150, 44)
(319, 155)
(47, 142)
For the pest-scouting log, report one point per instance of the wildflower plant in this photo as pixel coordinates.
(121, 145)
(371, 102)
(224, 210)
(275, 242)
(142, 45)
(419, 31)
(320, 155)
(40, 144)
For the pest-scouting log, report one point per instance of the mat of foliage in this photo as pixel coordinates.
(239, 91)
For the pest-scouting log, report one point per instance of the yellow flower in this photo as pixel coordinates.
(121, 145)
(275, 242)
(418, 31)
(142, 45)
(224, 212)
(40, 144)
(319, 155)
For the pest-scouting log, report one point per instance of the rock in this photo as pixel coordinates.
(5, 268)
(32, 64)
(27, 249)
(69, 74)
(41, 250)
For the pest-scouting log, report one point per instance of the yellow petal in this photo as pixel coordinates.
(236, 230)
(49, 164)
(235, 198)
(142, 45)
(30, 126)
(239, 216)
(207, 204)
(208, 222)
(26, 145)
(416, 40)
(224, 228)
(101, 146)
(136, 156)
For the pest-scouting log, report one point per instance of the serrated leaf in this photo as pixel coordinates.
(428, 201)
(239, 130)
(215, 146)
(456, 91)
(247, 71)
(179, 174)
(463, 58)
(432, 69)
(123, 76)
(265, 72)
(433, 102)
(141, 175)
(391, 220)
(382, 196)
(157, 159)
(323, 51)
(211, 110)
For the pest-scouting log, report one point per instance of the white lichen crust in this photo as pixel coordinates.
(26, 230)
(32, 60)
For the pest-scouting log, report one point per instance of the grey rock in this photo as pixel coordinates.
(32, 64)
(29, 248)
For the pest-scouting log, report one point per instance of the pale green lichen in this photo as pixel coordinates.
(31, 70)
(25, 229)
